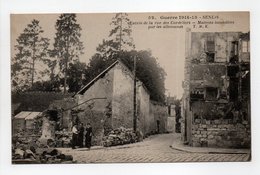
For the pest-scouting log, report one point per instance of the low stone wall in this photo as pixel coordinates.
(221, 133)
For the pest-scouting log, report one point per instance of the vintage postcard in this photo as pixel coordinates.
(130, 87)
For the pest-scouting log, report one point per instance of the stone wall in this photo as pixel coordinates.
(220, 133)
(63, 107)
(159, 113)
(94, 111)
(123, 94)
(143, 111)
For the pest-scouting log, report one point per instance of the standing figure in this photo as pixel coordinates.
(74, 136)
(88, 136)
(80, 135)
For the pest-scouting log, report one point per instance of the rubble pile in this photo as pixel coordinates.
(34, 156)
(63, 138)
(120, 136)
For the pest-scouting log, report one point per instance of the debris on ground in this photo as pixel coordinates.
(63, 138)
(42, 155)
(121, 136)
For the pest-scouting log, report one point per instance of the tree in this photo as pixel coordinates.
(31, 49)
(76, 79)
(119, 45)
(148, 71)
(119, 38)
(67, 44)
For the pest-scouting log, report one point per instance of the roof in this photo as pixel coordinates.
(96, 78)
(27, 115)
(85, 88)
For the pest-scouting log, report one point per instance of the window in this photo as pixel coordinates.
(211, 93)
(210, 48)
(210, 57)
(245, 46)
(197, 94)
(210, 44)
(234, 52)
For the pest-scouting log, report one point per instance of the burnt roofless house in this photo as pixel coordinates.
(216, 100)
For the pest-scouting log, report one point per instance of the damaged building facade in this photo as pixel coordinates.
(216, 99)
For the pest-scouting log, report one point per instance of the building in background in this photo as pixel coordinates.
(216, 99)
(25, 121)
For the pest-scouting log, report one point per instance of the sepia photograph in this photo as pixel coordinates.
(164, 87)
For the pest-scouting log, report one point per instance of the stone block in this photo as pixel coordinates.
(245, 122)
(217, 122)
(210, 136)
(198, 132)
(195, 127)
(219, 143)
(204, 132)
(197, 121)
(204, 135)
(208, 122)
(230, 121)
(231, 144)
(19, 154)
(204, 126)
(204, 143)
(212, 143)
(29, 154)
(194, 139)
(216, 132)
(225, 121)
(196, 144)
(218, 138)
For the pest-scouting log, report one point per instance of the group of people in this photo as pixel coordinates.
(78, 135)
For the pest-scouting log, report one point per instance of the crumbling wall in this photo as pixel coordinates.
(48, 130)
(63, 108)
(216, 89)
(205, 75)
(222, 44)
(221, 133)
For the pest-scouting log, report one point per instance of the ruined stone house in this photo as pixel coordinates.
(216, 99)
(107, 103)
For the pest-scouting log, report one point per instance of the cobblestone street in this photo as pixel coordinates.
(155, 149)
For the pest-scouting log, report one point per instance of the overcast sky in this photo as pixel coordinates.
(168, 45)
